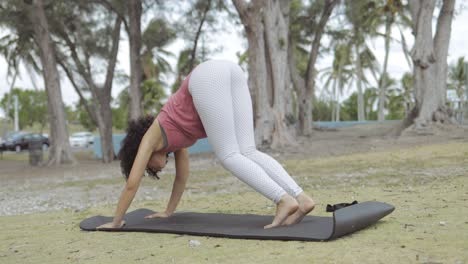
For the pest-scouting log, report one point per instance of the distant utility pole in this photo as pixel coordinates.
(16, 113)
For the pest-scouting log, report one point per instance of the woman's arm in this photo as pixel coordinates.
(151, 140)
(182, 174)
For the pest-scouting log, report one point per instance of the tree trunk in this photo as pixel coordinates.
(359, 79)
(8, 106)
(441, 45)
(262, 20)
(340, 86)
(259, 82)
(193, 52)
(98, 107)
(60, 150)
(305, 87)
(276, 30)
(430, 62)
(104, 119)
(135, 94)
(335, 101)
(337, 118)
(383, 76)
(104, 98)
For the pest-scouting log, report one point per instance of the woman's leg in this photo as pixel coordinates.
(210, 87)
(243, 120)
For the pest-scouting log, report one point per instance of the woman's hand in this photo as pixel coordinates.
(159, 214)
(111, 225)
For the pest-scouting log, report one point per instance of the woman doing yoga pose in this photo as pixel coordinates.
(213, 102)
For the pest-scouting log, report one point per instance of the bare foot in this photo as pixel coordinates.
(285, 207)
(306, 205)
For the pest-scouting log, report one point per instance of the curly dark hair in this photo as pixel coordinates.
(136, 129)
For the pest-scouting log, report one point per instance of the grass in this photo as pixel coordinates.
(427, 185)
(24, 156)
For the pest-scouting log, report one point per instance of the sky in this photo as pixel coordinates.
(236, 43)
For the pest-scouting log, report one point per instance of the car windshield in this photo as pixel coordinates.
(17, 136)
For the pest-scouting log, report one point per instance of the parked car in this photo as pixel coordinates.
(81, 139)
(8, 135)
(21, 141)
(2, 145)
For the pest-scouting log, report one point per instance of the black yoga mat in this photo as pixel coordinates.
(248, 226)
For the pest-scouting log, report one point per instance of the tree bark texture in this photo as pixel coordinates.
(305, 87)
(193, 52)
(429, 56)
(383, 79)
(60, 150)
(136, 72)
(266, 26)
(360, 77)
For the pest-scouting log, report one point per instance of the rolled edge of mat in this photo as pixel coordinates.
(353, 218)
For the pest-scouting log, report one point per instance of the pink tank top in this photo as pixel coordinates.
(179, 120)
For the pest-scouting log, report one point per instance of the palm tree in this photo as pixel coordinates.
(337, 76)
(393, 12)
(157, 35)
(407, 90)
(361, 15)
(16, 48)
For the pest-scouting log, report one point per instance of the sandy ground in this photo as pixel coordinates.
(425, 177)
(27, 189)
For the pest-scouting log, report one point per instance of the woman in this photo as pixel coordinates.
(214, 102)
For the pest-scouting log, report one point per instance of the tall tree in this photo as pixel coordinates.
(202, 8)
(429, 55)
(393, 11)
(197, 19)
(157, 35)
(305, 85)
(337, 76)
(60, 150)
(266, 25)
(135, 95)
(18, 47)
(389, 18)
(87, 38)
(361, 15)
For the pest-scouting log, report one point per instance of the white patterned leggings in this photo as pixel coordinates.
(221, 96)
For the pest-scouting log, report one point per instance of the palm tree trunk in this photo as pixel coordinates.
(135, 95)
(383, 76)
(334, 101)
(193, 52)
(337, 119)
(361, 114)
